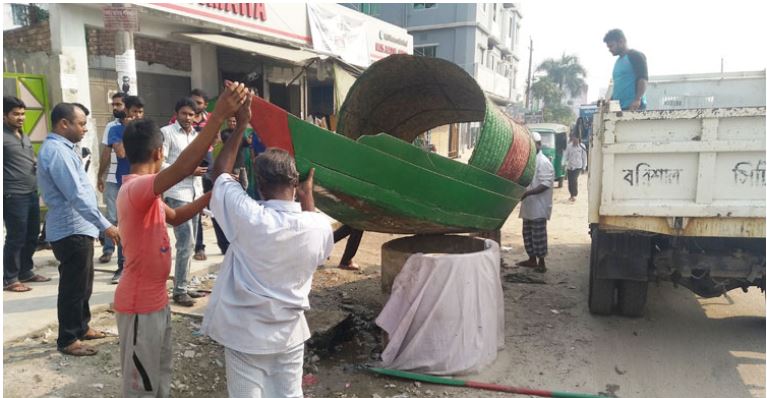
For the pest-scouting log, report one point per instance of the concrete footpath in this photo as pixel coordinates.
(25, 313)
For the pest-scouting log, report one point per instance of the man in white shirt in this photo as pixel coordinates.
(177, 137)
(257, 307)
(536, 210)
(108, 166)
(574, 160)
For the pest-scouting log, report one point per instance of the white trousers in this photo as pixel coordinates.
(265, 375)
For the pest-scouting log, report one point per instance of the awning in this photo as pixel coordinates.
(290, 55)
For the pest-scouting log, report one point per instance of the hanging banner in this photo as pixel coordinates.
(341, 34)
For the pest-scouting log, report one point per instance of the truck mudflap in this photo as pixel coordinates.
(624, 255)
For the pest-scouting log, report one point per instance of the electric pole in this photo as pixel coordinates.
(125, 54)
(529, 76)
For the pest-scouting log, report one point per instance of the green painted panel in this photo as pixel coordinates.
(441, 164)
(393, 184)
(374, 208)
(32, 117)
(36, 86)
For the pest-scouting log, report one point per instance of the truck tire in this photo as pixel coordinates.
(601, 291)
(632, 297)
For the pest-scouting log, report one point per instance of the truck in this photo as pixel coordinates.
(678, 193)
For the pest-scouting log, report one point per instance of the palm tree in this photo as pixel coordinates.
(566, 72)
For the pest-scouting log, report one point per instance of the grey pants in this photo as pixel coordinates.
(146, 356)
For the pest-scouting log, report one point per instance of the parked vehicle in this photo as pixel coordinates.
(676, 195)
(553, 144)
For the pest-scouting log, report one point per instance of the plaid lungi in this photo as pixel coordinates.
(534, 235)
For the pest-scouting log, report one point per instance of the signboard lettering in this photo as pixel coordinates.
(249, 10)
(120, 18)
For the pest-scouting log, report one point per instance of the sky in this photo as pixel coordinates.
(677, 37)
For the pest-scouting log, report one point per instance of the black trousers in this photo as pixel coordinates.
(572, 181)
(355, 237)
(75, 255)
(21, 215)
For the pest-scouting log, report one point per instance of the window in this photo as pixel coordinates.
(425, 51)
(369, 8)
(421, 6)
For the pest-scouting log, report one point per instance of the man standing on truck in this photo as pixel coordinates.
(629, 73)
(536, 210)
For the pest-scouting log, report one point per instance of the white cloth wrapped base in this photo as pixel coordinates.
(445, 315)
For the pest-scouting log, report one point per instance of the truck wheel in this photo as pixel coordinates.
(601, 291)
(632, 297)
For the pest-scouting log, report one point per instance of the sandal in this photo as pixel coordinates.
(78, 349)
(93, 334)
(349, 267)
(17, 287)
(37, 278)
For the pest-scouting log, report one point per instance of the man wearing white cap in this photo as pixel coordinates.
(536, 210)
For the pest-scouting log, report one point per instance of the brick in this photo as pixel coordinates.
(153, 51)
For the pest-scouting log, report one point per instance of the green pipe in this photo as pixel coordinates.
(477, 385)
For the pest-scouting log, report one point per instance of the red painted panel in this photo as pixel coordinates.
(271, 124)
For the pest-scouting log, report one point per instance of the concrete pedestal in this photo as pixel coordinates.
(395, 253)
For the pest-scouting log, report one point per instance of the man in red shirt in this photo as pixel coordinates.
(141, 300)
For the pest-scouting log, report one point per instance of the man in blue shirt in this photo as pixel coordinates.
(629, 73)
(134, 110)
(73, 222)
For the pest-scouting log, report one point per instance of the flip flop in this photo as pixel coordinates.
(93, 334)
(78, 349)
(37, 278)
(349, 267)
(17, 287)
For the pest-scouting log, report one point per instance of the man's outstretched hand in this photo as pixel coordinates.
(229, 101)
(243, 112)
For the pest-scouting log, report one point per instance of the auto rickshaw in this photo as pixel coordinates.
(553, 144)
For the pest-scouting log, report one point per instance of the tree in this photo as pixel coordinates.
(566, 72)
(546, 89)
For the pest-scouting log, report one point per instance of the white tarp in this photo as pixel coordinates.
(338, 33)
(445, 315)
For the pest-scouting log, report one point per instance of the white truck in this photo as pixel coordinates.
(678, 194)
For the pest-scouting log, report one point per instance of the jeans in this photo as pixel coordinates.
(207, 186)
(21, 215)
(185, 234)
(75, 255)
(223, 242)
(110, 198)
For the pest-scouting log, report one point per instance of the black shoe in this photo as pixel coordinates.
(183, 300)
(195, 294)
(116, 278)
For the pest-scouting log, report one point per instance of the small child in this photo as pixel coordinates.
(141, 299)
